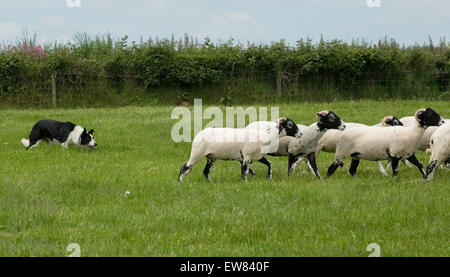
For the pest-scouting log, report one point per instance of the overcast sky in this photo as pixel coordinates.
(258, 21)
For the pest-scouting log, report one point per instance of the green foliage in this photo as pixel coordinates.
(345, 67)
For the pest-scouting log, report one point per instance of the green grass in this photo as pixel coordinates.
(50, 197)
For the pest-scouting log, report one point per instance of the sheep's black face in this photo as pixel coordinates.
(289, 126)
(87, 139)
(392, 121)
(329, 120)
(428, 117)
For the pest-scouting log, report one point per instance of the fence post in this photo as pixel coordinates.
(54, 89)
(279, 76)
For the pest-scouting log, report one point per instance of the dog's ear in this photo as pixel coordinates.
(84, 131)
(91, 131)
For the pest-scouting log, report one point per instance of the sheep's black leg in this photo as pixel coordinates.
(394, 164)
(291, 161)
(333, 168)
(269, 167)
(353, 167)
(312, 161)
(244, 170)
(183, 171)
(431, 169)
(250, 171)
(416, 162)
(207, 170)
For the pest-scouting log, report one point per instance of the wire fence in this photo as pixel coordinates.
(284, 83)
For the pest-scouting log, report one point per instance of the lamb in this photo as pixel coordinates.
(245, 145)
(299, 148)
(375, 143)
(440, 149)
(328, 142)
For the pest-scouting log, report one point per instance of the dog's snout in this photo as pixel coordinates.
(95, 144)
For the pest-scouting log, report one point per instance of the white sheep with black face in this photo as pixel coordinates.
(424, 143)
(440, 149)
(328, 141)
(377, 143)
(245, 145)
(299, 148)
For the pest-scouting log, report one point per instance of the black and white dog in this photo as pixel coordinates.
(64, 133)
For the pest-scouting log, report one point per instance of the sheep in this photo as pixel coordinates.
(328, 142)
(424, 143)
(245, 145)
(299, 148)
(376, 143)
(262, 125)
(440, 149)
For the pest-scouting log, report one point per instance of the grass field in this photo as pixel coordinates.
(50, 197)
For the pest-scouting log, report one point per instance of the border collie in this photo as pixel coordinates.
(64, 133)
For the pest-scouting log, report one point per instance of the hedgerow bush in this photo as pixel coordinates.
(335, 64)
